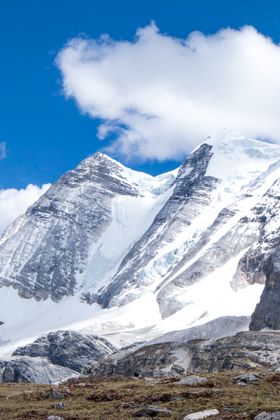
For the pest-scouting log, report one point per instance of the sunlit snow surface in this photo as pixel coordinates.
(246, 169)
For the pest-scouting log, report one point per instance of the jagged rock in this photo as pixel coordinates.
(268, 416)
(192, 380)
(202, 414)
(68, 348)
(152, 411)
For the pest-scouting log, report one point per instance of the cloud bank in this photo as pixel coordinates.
(14, 202)
(160, 96)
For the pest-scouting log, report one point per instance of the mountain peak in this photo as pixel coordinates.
(98, 158)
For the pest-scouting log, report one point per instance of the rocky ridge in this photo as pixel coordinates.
(244, 350)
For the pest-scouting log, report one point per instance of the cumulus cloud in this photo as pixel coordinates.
(14, 202)
(160, 96)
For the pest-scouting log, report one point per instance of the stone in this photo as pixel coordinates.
(268, 416)
(202, 414)
(151, 411)
(246, 379)
(59, 405)
(56, 395)
(192, 380)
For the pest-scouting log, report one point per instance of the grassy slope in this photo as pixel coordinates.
(118, 398)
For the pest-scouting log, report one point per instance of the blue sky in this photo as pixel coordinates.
(46, 134)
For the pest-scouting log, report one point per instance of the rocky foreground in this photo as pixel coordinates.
(229, 395)
(235, 377)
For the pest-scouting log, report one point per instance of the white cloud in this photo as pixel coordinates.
(14, 202)
(162, 95)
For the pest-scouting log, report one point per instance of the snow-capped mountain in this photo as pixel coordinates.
(47, 251)
(125, 254)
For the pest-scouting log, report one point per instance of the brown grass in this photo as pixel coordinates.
(119, 398)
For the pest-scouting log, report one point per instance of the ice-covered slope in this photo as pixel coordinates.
(130, 256)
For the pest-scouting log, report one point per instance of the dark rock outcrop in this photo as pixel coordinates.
(267, 312)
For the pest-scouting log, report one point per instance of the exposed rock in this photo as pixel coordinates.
(243, 350)
(152, 411)
(267, 312)
(159, 360)
(202, 414)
